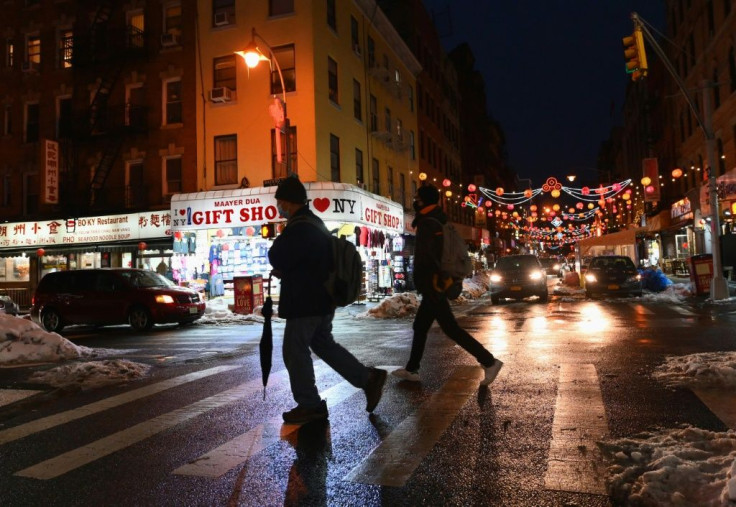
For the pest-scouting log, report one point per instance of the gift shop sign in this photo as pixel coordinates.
(74, 231)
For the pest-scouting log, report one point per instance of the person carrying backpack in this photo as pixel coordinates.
(301, 257)
(432, 284)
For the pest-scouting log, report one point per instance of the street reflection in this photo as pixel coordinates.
(593, 320)
(308, 474)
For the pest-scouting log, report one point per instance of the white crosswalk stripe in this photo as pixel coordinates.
(8, 396)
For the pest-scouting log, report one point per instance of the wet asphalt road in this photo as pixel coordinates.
(443, 441)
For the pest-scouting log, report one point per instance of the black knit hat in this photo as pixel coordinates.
(292, 190)
(428, 194)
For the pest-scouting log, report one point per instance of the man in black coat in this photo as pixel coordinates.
(301, 257)
(432, 283)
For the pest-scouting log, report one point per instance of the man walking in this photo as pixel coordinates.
(301, 257)
(431, 283)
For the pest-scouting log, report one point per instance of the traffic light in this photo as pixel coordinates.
(635, 54)
(268, 230)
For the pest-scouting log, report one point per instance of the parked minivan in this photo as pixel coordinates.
(112, 296)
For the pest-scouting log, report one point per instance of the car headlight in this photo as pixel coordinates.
(635, 278)
(164, 298)
(536, 275)
(496, 278)
(557, 267)
(590, 277)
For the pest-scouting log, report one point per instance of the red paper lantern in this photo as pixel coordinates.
(177, 234)
(142, 246)
(40, 252)
(472, 188)
(446, 182)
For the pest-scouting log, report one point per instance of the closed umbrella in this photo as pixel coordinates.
(266, 345)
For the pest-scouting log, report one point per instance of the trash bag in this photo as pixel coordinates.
(654, 280)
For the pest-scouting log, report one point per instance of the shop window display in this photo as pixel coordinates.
(15, 269)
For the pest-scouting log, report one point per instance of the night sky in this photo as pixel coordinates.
(554, 72)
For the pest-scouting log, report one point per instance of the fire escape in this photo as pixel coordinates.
(103, 121)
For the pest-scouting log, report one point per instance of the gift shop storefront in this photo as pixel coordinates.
(29, 250)
(225, 228)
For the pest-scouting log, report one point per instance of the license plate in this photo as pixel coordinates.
(193, 309)
(613, 287)
(515, 287)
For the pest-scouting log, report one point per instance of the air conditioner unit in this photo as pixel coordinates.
(221, 18)
(29, 67)
(169, 39)
(221, 94)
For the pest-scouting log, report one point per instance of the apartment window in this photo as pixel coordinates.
(359, 167)
(387, 119)
(390, 181)
(66, 48)
(375, 177)
(173, 102)
(33, 50)
(354, 35)
(412, 147)
(226, 160)
(374, 113)
(172, 19)
(287, 62)
(402, 190)
(334, 158)
(7, 120)
(135, 105)
(332, 80)
(64, 118)
(278, 169)
(711, 18)
(9, 53)
(31, 123)
(7, 190)
(371, 53)
(135, 192)
(136, 29)
(224, 72)
(173, 175)
(357, 102)
(410, 96)
(223, 12)
(420, 96)
(331, 15)
(280, 7)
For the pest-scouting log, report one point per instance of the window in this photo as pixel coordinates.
(410, 95)
(64, 118)
(33, 50)
(331, 15)
(359, 167)
(334, 158)
(226, 160)
(173, 175)
(387, 119)
(374, 113)
(357, 103)
(7, 120)
(390, 181)
(402, 190)
(135, 105)
(135, 192)
(287, 62)
(376, 178)
(280, 7)
(173, 102)
(371, 53)
(354, 35)
(224, 72)
(332, 80)
(136, 29)
(9, 53)
(711, 21)
(66, 48)
(223, 12)
(412, 146)
(31, 123)
(279, 169)
(172, 19)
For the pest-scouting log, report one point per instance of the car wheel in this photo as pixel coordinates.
(140, 319)
(51, 321)
(544, 297)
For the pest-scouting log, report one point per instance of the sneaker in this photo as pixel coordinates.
(374, 388)
(301, 415)
(491, 372)
(404, 374)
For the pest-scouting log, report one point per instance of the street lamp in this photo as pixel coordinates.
(253, 55)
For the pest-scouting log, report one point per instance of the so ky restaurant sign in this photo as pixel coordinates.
(337, 202)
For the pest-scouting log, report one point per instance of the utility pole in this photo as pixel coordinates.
(718, 286)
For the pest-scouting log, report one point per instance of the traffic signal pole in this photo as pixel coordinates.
(718, 286)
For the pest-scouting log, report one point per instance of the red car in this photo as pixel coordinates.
(103, 297)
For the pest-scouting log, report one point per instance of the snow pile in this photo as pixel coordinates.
(477, 286)
(404, 304)
(92, 374)
(218, 312)
(22, 341)
(684, 467)
(704, 370)
(674, 293)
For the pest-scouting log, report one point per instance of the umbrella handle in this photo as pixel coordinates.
(269, 295)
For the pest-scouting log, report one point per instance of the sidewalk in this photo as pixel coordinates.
(686, 280)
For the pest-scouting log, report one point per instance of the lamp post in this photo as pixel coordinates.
(253, 55)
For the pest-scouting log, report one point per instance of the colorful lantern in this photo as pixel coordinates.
(499, 191)
(676, 173)
(40, 252)
(446, 182)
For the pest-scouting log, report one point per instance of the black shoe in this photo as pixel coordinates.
(301, 415)
(374, 388)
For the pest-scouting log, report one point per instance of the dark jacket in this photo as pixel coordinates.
(302, 254)
(428, 248)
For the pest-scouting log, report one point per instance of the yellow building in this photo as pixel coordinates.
(349, 91)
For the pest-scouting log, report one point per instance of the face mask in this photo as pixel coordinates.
(283, 212)
(417, 207)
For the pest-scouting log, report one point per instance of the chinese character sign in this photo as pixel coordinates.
(51, 172)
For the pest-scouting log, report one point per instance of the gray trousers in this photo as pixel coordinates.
(304, 333)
